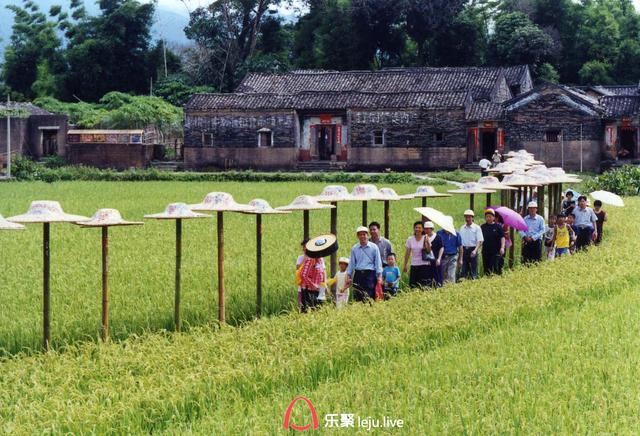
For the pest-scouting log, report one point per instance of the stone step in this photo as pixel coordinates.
(167, 165)
(317, 165)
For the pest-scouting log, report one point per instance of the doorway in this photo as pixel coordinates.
(49, 142)
(326, 141)
(627, 144)
(489, 143)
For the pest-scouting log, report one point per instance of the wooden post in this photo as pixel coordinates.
(488, 200)
(365, 205)
(471, 201)
(552, 189)
(220, 267)
(305, 224)
(541, 199)
(334, 231)
(386, 219)
(424, 204)
(512, 195)
(176, 308)
(258, 265)
(105, 284)
(46, 302)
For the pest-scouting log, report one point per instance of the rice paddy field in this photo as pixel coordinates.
(545, 349)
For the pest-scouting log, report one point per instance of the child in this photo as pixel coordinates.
(548, 238)
(602, 217)
(570, 222)
(299, 263)
(340, 280)
(568, 204)
(391, 276)
(563, 236)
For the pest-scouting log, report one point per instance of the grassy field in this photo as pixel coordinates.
(551, 348)
(142, 258)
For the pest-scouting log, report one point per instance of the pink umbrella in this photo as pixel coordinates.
(512, 218)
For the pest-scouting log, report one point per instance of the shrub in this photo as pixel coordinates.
(622, 181)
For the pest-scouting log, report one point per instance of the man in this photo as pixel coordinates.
(383, 244)
(448, 258)
(585, 224)
(532, 238)
(493, 245)
(496, 158)
(472, 239)
(365, 266)
(484, 165)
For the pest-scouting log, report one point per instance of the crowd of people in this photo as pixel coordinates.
(433, 258)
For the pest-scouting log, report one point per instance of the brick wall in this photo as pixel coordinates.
(116, 156)
(19, 137)
(240, 158)
(37, 121)
(406, 158)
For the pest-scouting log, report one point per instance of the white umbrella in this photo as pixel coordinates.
(442, 220)
(608, 198)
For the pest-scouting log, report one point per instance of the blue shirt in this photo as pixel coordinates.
(450, 242)
(365, 257)
(535, 226)
(391, 274)
(584, 217)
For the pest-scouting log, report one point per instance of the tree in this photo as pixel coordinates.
(627, 67)
(110, 51)
(34, 52)
(464, 42)
(517, 40)
(547, 72)
(595, 73)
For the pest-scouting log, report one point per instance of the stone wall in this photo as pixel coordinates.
(406, 158)
(238, 129)
(262, 158)
(35, 132)
(554, 154)
(19, 137)
(116, 156)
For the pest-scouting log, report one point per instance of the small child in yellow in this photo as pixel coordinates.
(340, 280)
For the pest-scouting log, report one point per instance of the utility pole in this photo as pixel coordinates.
(8, 137)
(164, 54)
(580, 147)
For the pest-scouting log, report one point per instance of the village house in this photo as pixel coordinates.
(408, 118)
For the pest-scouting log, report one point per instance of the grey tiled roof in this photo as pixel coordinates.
(31, 108)
(618, 90)
(328, 100)
(479, 81)
(485, 111)
(621, 105)
(514, 74)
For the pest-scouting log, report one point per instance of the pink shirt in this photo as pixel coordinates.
(416, 251)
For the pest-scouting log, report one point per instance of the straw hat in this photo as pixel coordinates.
(333, 193)
(429, 225)
(262, 207)
(388, 194)
(321, 246)
(46, 212)
(471, 188)
(176, 211)
(219, 202)
(559, 176)
(503, 168)
(425, 192)
(107, 218)
(469, 212)
(362, 229)
(519, 180)
(305, 202)
(344, 260)
(366, 192)
(491, 182)
(7, 225)
(489, 211)
(532, 204)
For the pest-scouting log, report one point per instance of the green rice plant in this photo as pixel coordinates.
(445, 360)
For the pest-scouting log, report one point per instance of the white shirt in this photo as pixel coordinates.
(484, 164)
(471, 235)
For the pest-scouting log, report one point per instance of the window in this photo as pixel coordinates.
(438, 136)
(207, 140)
(515, 90)
(553, 135)
(265, 138)
(378, 138)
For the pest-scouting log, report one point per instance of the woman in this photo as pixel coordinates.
(434, 275)
(415, 245)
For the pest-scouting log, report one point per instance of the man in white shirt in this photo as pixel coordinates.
(585, 223)
(472, 239)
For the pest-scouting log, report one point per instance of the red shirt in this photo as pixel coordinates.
(312, 274)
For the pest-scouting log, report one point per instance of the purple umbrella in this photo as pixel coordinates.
(511, 218)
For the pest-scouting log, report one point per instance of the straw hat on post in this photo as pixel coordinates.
(46, 212)
(471, 188)
(365, 193)
(261, 207)
(220, 202)
(8, 225)
(105, 218)
(177, 212)
(305, 203)
(387, 195)
(424, 192)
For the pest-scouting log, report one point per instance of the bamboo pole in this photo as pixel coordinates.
(334, 231)
(512, 198)
(365, 205)
(105, 284)
(258, 265)
(541, 199)
(305, 224)
(46, 306)
(176, 309)
(488, 200)
(220, 226)
(386, 219)
(424, 204)
(472, 201)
